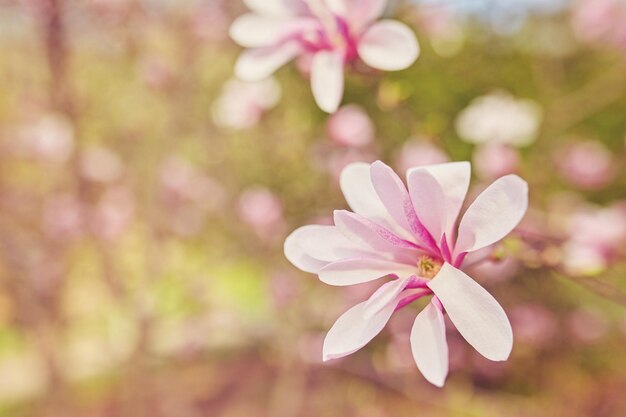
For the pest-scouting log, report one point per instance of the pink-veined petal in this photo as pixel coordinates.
(387, 293)
(296, 255)
(429, 345)
(254, 31)
(327, 80)
(327, 243)
(388, 45)
(395, 197)
(438, 192)
(474, 312)
(259, 63)
(494, 213)
(354, 329)
(374, 236)
(360, 270)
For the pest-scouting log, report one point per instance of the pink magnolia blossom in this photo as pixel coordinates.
(334, 33)
(595, 236)
(242, 104)
(600, 21)
(495, 160)
(586, 164)
(350, 126)
(412, 238)
(419, 152)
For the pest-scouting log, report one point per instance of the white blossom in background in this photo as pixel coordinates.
(500, 118)
(241, 104)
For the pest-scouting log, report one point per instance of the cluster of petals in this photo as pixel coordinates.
(331, 33)
(409, 236)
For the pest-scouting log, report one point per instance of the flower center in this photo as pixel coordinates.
(428, 267)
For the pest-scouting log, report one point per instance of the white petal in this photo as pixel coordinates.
(327, 80)
(353, 330)
(389, 45)
(494, 213)
(253, 31)
(258, 64)
(273, 7)
(438, 192)
(476, 314)
(429, 345)
(358, 12)
(327, 243)
(356, 184)
(296, 255)
(359, 270)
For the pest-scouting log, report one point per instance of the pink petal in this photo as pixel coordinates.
(494, 213)
(387, 293)
(370, 234)
(253, 31)
(437, 192)
(388, 45)
(296, 255)
(327, 243)
(354, 329)
(358, 12)
(258, 64)
(429, 345)
(475, 313)
(396, 199)
(327, 80)
(360, 270)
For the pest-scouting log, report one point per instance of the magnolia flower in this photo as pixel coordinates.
(333, 33)
(499, 118)
(411, 238)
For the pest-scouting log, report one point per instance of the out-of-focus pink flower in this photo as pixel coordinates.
(417, 152)
(586, 164)
(491, 271)
(155, 72)
(595, 235)
(262, 210)
(350, 126)
(100, 164)
(495, 160)
(334, 32)
(534, 324)
(188, 195)
(210, 21)
(241, 104)
(50, 139)
(587, 326)
(412, 237)
(442, 28)
(62, 217)
(600, 22)
(499, 118)
(113, 213)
